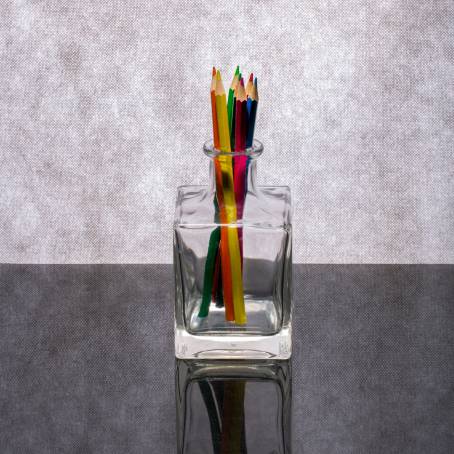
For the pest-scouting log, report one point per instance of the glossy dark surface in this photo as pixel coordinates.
(87, 365)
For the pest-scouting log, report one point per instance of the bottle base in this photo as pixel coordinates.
(209, 346)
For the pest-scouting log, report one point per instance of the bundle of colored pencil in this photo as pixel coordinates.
(233, 130)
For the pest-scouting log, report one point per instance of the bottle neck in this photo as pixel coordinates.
(250, 165)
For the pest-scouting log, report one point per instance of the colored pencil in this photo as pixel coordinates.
(233, 125)
(233, 119)
(209, 271)
(216, 292)
(230, 101)
(249, 88)
(241, 125)
(224, 243)
(252, 108)
(241, 119)
(213, 243)
(226, 266)
(213, 110)
(230, 205)
(254, 97)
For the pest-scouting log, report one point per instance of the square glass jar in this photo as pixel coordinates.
(260, 275)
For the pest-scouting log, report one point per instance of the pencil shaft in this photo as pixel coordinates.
(230, 107)
(216, 292)
(232, 129)
(230, 210)
(251, 124)
(232, 241)
(214, 120)
(209, 271)
(226, 269)
(240, 165)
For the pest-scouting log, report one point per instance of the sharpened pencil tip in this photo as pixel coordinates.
(251, 77)
(237, 70)
(214, 71)
(242, 82)
(218, 75)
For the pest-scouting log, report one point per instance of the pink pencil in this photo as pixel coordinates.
(239, 178)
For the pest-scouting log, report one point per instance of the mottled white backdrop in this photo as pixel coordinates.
(104, 106)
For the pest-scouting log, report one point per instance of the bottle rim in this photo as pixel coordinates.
(252, 152)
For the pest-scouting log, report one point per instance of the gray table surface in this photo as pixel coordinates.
(87, 361)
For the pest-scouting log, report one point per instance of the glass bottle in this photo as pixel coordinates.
(257, 324)
(233, 407)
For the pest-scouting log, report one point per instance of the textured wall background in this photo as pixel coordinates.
(104, 107)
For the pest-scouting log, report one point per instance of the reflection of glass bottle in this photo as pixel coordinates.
(233, 407)
(258, 245)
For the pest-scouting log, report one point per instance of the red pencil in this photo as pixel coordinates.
(240, 118)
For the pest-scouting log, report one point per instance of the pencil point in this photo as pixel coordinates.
(251, 77)
(242, 82)
(214, 71)
(237, 70)
(218, 75)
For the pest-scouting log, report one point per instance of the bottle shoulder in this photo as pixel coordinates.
(266, 207)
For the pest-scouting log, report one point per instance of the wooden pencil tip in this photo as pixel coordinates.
(251, 77)
(214, 71)
(218, 75)
(237, 70)
(242, 82)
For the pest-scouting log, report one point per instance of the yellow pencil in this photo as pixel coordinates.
(229, 201)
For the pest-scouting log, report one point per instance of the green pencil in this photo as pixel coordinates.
(210, 263)
(230, 102)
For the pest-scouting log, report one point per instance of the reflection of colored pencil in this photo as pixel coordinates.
(229, 202)
(233, 417)
(212, 405)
